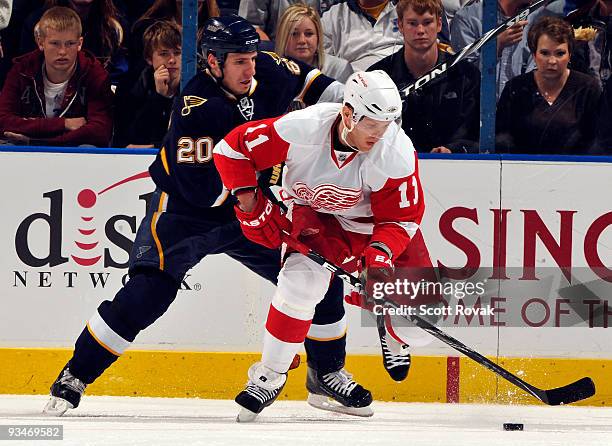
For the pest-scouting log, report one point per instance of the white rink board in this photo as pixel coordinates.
(227, 313)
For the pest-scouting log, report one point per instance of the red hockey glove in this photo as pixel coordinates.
(265, 223)
(359, 300)
(377, 269)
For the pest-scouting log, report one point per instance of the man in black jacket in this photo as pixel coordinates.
(443, 116)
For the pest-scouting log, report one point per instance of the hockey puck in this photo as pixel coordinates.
(513, 426)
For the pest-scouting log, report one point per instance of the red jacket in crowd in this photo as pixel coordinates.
(88, 95)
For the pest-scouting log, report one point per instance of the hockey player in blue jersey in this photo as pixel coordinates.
(191, 215)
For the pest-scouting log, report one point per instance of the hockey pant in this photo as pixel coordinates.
(302, 283)
(169, 242)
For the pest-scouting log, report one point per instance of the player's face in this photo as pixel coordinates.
(420, 30)
(238, 72)
(551, 58)
(170, 58)
(61, 49)
(303, 41)
(366, 133)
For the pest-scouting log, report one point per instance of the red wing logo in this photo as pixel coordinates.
(328, 196)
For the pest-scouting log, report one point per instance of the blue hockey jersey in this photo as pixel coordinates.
(205, 113)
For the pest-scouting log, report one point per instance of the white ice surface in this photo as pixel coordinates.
(186, 422)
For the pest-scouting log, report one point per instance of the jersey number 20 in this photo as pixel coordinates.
(190, 151)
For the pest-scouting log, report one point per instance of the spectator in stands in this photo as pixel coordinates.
(593, 52)
(59, 94)
(513, 56)
(364, 31)
(142, 115)
(451, 7)
(603, 139)
(11, 35)
(103, 33)
(443, 116)
(228, 7)
(361, 31)
(169, 10)
(300, 36)
(6, 6)
(552, 109)
(132, 10)
(265, 15)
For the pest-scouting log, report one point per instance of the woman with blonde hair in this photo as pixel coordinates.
(300, 35)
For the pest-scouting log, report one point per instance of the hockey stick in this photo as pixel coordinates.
(576, 391)
(441, 68)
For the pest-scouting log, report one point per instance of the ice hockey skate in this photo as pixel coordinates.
(396, 355)
(66, 393)
(337, 392)
(262, 389)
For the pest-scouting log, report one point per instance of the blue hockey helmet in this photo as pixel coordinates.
(228, 34)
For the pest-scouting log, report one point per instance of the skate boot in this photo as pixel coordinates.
(337, 392)
(66, 393)
(262, 389)
(396, 355)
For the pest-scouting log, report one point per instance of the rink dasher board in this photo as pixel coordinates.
(470, 188)
(55, 180)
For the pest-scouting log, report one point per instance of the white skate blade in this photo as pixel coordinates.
(246, 416)
(325, 403)
(56, 407)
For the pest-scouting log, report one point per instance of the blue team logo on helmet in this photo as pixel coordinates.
(228, 34)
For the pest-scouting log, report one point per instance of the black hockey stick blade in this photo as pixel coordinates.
(582, 389)
(576, 391)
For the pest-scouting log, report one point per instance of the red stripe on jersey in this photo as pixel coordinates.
(243, 172)
(286, 328)
(399, 200)
(257, 141)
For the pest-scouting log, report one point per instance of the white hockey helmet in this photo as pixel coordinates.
(372, 94)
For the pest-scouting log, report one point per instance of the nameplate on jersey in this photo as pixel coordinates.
(246, 107)
(191, 101)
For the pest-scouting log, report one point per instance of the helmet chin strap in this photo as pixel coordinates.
(344, 134)
(221, 70)
(220, 63)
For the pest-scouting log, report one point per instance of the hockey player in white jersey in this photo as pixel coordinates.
(355, 197)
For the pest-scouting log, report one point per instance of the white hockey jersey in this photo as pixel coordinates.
(376, 193)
